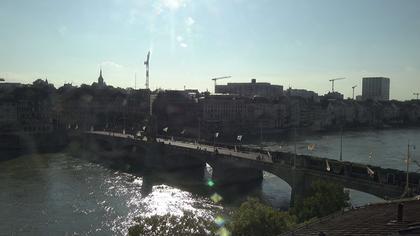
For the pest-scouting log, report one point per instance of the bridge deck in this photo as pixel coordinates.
(202, 147)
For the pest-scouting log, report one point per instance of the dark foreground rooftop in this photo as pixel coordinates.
(377, 219)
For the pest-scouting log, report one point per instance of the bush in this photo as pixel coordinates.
(325, 198)
(168, 224)
(255, 218)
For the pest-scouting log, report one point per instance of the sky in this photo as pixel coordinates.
(295, 43)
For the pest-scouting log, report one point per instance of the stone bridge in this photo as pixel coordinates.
(232, 166)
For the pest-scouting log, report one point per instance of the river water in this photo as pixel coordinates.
(58, 194)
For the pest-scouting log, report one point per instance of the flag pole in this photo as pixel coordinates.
(408, 167)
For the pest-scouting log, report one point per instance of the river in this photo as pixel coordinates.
(58, 194)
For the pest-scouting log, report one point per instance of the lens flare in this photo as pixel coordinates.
(223, 232)
(216, 198)
(219, 221)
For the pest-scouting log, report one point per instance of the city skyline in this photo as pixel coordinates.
(301, 44)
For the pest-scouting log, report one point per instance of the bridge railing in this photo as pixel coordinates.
(354, 170)
(209, 143)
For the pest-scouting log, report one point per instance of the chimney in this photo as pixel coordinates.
(400, 212)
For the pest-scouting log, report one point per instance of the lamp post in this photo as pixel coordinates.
(343, 121)
(341, 144)
(407, 186)
(199, 129)
(295, 147)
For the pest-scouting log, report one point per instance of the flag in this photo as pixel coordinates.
(328, 165)
(165, 129)
(144, 128)
(311, 147)
(239, 138)
(216, 134)
(370, 171)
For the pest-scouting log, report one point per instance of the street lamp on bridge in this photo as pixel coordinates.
(407, 161)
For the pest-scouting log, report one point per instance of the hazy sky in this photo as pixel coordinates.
(294, 43)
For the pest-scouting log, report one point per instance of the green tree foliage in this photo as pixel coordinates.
(325, 198)
(168, 224)
(255, 218)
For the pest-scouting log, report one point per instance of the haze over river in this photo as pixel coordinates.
(56, 194)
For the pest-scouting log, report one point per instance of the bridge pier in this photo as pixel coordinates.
(164, 157)
(225, 173)
(300, 187)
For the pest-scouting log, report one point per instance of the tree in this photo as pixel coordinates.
(255, 218)
(168, 224)
(324, 198)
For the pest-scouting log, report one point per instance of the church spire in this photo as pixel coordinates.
(100, 79)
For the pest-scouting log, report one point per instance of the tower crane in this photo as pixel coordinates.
(353, 90)
(146, 63)
(332, 83)
(217, 78)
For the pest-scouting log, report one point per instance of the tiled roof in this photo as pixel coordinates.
(377, 219)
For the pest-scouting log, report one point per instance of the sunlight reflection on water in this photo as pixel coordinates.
(162, 199)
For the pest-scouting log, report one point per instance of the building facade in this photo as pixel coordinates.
(232, 114)
(303, 93)
(375, 88)
(252, 89)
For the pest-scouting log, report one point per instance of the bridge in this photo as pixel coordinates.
(233, 165)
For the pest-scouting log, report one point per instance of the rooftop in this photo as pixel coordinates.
(377, 219)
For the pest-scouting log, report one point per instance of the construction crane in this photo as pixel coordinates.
(416, 94)
(332, 83)
(217, 78)
(353, 90)
(146, 63)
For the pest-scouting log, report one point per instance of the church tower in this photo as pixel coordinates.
(101, 79)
